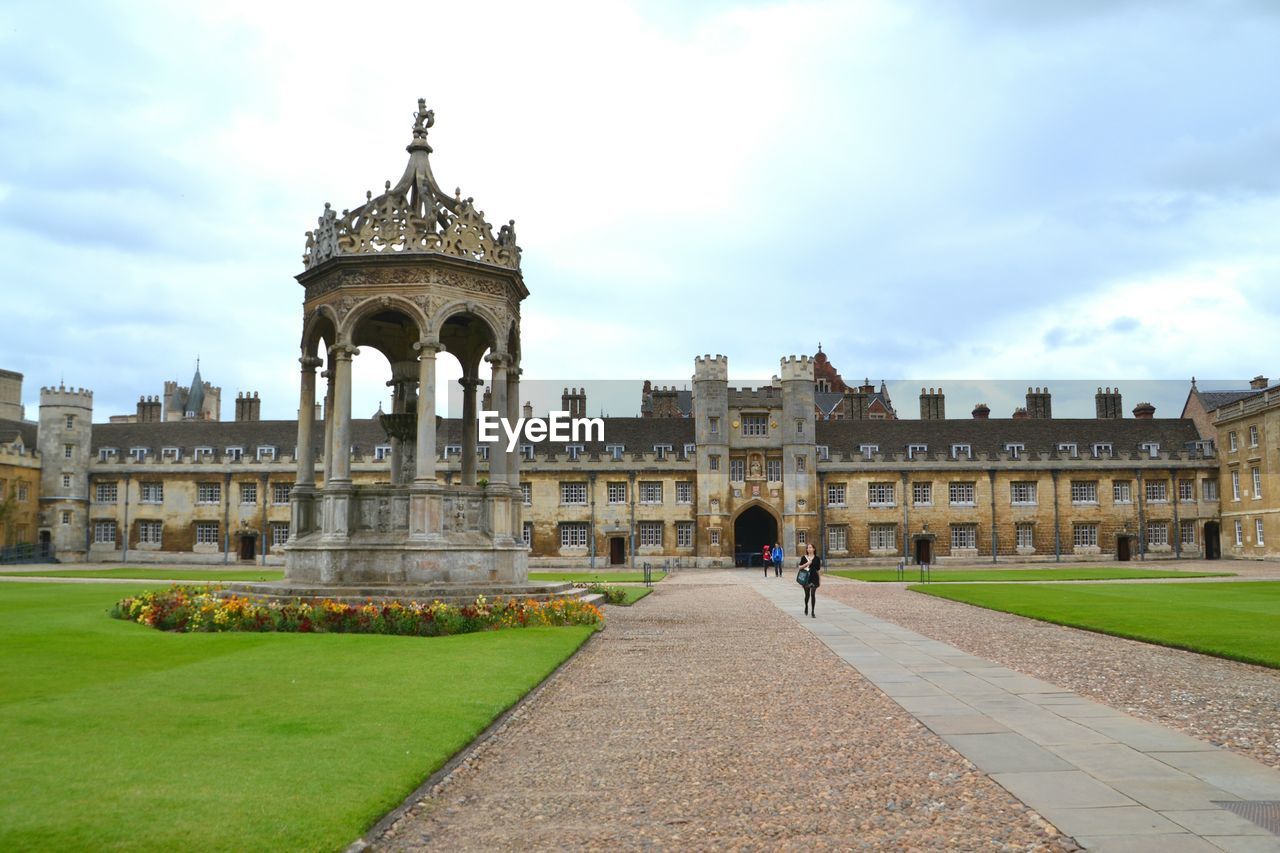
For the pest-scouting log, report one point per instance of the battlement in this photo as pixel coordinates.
(711, 368)
(64, 396)
(797, 367)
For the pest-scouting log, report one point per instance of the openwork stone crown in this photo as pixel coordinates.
(413, 216)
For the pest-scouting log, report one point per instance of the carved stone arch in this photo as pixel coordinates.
(313, 328)
(512, 342)
(362, 309)
(466, 306)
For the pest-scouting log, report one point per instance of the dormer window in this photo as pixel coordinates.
(574, 451)
(1014, 449)
(660, 451)
(868, 450)
(961, 451)
(267, 453)
(1070, 448)
(1152, 448)
(139, 453)
(482, 452)
(526, 450)
(106, 454)
(916, 449)
(174, 453)
(235, 454)
(615, 451)
(381, 452)
(1101, 448)
(452, 450)
(204, 453)
(690, 450)
(823, 452)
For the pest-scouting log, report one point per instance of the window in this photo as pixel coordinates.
(280, 493)
(713, 536)
(868, 450)
(880, 494)
(151, 493)
(279, 534)
(1257, 483)
(209, 493)
(22, 491)
(206, 533)
(173, 453)
(71, 421)
(381, 452)
(1209, 489)
(105, 493)
(1070, 448)
(1084, 491)
(1257, 526)
(248, 493)
(573, 534)
(650, 533)
(773, 470)
(615, 451)
(1026, 536)
(574, 451)
(66, 481)
(737, 470)
(1085, 535)
(962, 494)
(1122, 491)
(1014, 450)
(66, 451)
(684, 492)
(961, 450)
(267, 453)
(1023, 494)
(755, 425)
(139, 453)
(884, 537)
(713, 462)
(964, 536)
(914, 449)
(105, 454)
(526, 451)
(800, 462)
(66, 516)
(526, 494)
(1157, 533)
(1157, 491)
(1187, 532)
(651, 493)
(526, 534)
(1101, 449)
(713, 426)
(837, 538)
(1239, 533)
(660, 451)
(835, 494)
(1253, 440)
(203, 452)
(822, 453)
(799, 426)
(616, 492)
(104, 533)
(1186, 490)
(922, 494)
(235, 454)
(1232, 443)
(573, 493)
(452, 450)
(1152, 448)
(150, 532)
(1235, 485)
(684, 534)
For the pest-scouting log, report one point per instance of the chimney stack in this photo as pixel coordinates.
(1039, 404)
(248, 407)
(1144, 411)
(148, 410)
(574, 401)
(1259, 383)
(932, 405)
(527, 411)
(1107, 404)
(1020, 414)
(981, 412)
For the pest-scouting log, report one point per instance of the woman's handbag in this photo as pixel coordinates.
(802, 577)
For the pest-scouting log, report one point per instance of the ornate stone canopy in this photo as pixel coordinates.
(413, 216)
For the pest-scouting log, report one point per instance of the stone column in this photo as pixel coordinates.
(425, 460)
(306, 421)
(469, 385)
(341, 449)
(498, 452)
(513, 415)
(327, 449)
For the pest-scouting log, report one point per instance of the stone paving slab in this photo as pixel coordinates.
(1112, 781)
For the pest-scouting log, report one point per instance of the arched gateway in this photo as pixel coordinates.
(754, 528)
(413, 273)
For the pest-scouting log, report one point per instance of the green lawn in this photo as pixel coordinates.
(976, 575)
(118, 736)
(1231, 620)
(596, 577)
(634, 594)
(159, 574)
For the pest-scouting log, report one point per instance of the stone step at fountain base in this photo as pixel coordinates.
(449, 593)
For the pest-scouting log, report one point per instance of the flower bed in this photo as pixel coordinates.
(192, 608)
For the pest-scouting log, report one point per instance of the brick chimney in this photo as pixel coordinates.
(527, 411)
(932, 405)
(574, 401)
(1039, 404)
(981, 412)
(149, 410)
(1144, 411)
(1259, 383)
(248, 407)
(1020, 414)
(1107, 404)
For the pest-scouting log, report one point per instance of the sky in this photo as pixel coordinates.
(940, 194)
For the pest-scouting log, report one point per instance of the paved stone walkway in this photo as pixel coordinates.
(1110, 780)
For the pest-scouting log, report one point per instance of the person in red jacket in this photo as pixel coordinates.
(768, 560)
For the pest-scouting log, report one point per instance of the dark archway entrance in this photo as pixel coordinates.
(1123, 553)
(617, 550)
(924, 550)
(1212, 541)
(752, 530)
(247, 547)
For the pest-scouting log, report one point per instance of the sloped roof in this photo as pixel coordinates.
(11, 430)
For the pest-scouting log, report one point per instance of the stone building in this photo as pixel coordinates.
(1248, 437)
(19, 467)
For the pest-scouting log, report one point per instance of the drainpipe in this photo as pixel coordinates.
(263, 532)
(124, 556)
(822, 513)
(1057, 527)
(1176, 533)
(906, 519)
(591, 537)
(1142, 518)
(995, 538)
(226, 517)
(631, 496)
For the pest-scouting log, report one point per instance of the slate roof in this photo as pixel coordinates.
(1217, 399)
(991, 436)
(10, 430)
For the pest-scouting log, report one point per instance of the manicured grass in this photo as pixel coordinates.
(159, 574)
(119, 736)
(1230, 620)
(976, 575)
(634, 594)
(596, 577)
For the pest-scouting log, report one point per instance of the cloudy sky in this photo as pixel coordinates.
(939, 193)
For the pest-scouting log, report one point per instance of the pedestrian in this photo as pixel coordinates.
(768, 560)
(813, 563)
(777, 560)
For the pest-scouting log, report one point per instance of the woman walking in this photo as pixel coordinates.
(767, 559)
(813, 563)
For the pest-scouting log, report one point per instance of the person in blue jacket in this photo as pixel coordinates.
(777, 560)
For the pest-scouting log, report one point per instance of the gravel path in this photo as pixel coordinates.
(1233, 705)
(688, 723)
